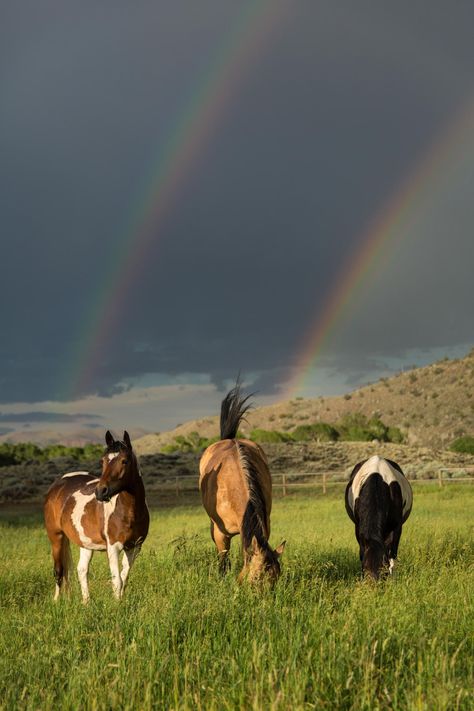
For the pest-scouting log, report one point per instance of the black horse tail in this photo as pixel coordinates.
(233, 409)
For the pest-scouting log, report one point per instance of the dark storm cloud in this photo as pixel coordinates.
(328, 119)
(45, 417)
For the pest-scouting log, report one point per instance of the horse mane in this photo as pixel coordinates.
(254, 522)
(233, 409)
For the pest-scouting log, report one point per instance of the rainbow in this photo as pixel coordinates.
(253, 30)
(377, 243)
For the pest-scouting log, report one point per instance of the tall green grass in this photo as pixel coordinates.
(183, 638)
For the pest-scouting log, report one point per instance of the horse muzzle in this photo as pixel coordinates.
(102, 493)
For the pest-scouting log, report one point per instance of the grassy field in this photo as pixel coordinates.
(182, 638)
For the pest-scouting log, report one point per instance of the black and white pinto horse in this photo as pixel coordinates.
(378, 500)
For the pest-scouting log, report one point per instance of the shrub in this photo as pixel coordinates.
(356, 427)
(463, 444)
(353, 428)
(27, 451)
(193, 442)
(263, 436)
(394, 434)
(319, 432)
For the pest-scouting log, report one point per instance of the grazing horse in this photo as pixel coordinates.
(98, 514)
(379, 500)
(236, 490)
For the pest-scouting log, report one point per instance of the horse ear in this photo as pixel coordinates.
(126, 439)
(280, 548)
(109, 438)
(252, 549)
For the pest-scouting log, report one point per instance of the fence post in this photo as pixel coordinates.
(324, 482)
(283, 481)
(440, 477)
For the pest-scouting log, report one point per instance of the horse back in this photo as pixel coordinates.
(71, 508)
(368, 476)
(223, 481)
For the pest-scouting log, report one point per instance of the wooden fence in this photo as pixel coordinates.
(309, 480)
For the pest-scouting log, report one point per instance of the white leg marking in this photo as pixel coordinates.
(113, 552)
(82, 570)
(391, 566)
(128, 561)
(56, 593)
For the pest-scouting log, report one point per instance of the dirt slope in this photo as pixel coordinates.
(432, 405)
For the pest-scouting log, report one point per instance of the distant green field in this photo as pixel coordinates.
(183, 638)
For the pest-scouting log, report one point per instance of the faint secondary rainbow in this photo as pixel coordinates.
(377, 242)
(255, 27)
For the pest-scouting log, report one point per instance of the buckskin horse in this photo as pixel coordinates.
(236, 490)
(378, 500)
(98, 514)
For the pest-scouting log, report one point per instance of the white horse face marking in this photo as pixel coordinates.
(112, 455)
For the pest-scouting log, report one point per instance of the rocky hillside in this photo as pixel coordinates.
(432, 405)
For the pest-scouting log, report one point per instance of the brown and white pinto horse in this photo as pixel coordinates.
(236, 490)
(378, 500)
(107, 514)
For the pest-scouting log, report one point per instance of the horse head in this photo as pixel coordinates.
(262, 563)
(375, 559)
(119, 467)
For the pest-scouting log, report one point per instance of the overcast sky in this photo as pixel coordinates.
(328, 109)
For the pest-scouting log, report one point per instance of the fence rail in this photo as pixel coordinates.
(289, 480)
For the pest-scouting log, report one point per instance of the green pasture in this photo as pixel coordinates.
(183, 638)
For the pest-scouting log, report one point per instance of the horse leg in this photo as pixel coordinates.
(393, 547)
(61, 558)
(361, 547)
(222, 542)
(127, 562)
(113, 552)
(82, 571)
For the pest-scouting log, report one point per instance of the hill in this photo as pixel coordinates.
(432, 405)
